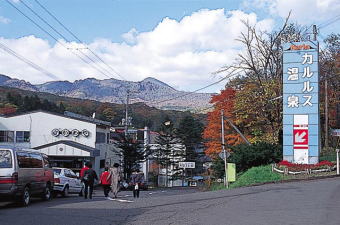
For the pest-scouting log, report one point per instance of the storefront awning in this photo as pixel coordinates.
(93, 151)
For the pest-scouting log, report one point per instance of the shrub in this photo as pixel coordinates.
(261, 153)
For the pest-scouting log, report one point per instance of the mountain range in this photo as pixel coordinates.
(149, 91)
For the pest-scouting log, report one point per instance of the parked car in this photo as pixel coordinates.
(66, 182)
(24, 174)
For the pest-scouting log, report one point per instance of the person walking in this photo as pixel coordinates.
(82, 171)
(114, 177)
(137, 178)
(105, 182)
(89, 176)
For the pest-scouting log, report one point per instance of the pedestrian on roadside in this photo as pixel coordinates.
(137, 179)
(89, 176)
(82, 171)
(105, 182)
(114, 177)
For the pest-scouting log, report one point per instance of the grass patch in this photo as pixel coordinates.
(257, 175)
(264, 174)
(252, 176)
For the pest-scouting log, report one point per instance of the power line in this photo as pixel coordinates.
(54, 38)
(329, 22)
(61, 35)
(78, 39)
(200, 89)
(30, 63)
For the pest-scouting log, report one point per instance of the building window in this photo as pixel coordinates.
(6, 136)
(22, 136)
(100, 137)
(102, 163)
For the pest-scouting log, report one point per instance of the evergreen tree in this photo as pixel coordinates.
(61, 107)
(190, 130)
(170, 150)
(132, 153)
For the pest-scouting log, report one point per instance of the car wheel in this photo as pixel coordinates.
(26, 197)
(47, 195)
(65, 192)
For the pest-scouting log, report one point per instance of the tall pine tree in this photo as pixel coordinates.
(170, 151)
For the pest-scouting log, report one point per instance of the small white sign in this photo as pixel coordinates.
(186, 165)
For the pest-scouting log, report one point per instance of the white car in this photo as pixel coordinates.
(66, 182)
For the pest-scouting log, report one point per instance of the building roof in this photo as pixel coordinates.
(94, 152)
(67, 114)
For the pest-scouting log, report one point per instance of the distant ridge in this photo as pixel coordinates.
(150, 91)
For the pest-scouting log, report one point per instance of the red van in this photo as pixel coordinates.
(24, 173)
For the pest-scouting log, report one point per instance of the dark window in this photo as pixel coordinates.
(67, 173)
(6, 136)
(5, 159)
(36, 160)
(24, 160)
(57, 171)
(107, 138)
(100, 137)
(22, 136)
(73, 175)
(102, 163)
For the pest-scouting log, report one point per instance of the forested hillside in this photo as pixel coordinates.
(14, 100)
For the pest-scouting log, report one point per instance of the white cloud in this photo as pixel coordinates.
(4, 20)
(308, 11)
(181, 53)
(303, 11)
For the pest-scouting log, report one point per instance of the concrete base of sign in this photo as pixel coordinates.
(288, 158)
(313, 159)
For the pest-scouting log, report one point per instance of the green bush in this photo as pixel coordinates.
(261, 153)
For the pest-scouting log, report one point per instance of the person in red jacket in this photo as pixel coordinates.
(105, 182)
(82, 171)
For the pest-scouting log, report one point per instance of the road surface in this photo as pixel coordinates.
(314, 202)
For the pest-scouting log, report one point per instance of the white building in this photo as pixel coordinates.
(69, 140)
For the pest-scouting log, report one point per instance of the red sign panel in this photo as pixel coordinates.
(300, 138)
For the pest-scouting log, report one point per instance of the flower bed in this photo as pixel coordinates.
(293, 168)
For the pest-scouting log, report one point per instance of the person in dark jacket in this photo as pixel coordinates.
(137, 178)
(89, 176)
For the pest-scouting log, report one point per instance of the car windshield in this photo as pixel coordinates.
(5, 159)
(57, 171)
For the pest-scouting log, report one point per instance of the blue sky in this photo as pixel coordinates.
(180, 42)
(109, 19)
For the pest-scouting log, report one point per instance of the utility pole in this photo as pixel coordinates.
(126, 113)
(224, 152)
(315, 32)
(326, 112)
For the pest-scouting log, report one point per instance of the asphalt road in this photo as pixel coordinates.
(310, 202)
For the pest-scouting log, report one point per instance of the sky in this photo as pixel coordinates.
(180, 42)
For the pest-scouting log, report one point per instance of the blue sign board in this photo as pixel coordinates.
(301, 127)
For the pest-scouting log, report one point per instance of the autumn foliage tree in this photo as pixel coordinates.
(212, 132)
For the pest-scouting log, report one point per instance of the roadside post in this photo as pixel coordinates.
(337, 162)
